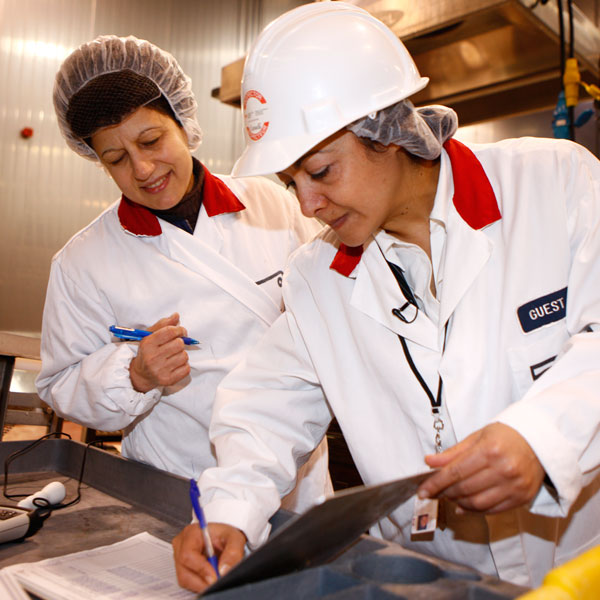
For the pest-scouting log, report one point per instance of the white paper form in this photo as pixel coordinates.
(10, 588)
(141, 566)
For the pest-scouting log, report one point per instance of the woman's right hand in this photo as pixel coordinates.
(194, 572)
(161, 359)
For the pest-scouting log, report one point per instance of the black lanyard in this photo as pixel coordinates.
(436, 402)
(406, 291)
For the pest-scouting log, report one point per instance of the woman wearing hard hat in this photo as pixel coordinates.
(432, 312)
(180, 244)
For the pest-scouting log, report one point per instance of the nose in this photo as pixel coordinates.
(142, 167)
(311, 200)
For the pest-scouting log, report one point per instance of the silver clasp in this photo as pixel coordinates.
(438, 425)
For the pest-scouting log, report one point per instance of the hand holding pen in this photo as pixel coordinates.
(194, 571)
(161, 358)
(208, 547)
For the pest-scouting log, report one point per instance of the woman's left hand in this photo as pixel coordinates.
(492, 470)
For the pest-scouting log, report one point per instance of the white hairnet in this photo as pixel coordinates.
(110, 54)
(420, 131)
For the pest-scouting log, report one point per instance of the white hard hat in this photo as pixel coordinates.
(313, 71)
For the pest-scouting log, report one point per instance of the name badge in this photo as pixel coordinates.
(425, 516)
(542, 311)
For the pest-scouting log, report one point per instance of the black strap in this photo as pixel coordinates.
(436, 402)
(407, 293)
(404, 287)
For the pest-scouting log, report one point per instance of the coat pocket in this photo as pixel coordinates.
(532, 358)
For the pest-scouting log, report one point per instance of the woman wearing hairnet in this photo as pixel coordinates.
(182, 252)
(432, 312)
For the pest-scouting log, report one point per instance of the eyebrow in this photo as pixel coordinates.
(299, 162)
(304, 157)
(108, 150)
(138, 137)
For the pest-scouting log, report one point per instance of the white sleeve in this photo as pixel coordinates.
(85, 377)
(269, 415)
(559, 415)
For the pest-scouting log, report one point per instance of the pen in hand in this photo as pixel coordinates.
(135, 335)
(210, 553)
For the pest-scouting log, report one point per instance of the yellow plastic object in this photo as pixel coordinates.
(571, 80)
(579, 579)
(547, 592)
(592, 90)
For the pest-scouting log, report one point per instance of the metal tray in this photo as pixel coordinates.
(119, 498)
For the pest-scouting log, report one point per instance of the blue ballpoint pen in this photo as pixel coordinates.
(210, 553)
(135, 335)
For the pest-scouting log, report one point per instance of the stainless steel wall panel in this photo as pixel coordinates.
(39, 195)
(147, 19)
(210, 35)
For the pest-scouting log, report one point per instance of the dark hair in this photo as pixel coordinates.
(162, 105)
(372, 145)
(109, 98)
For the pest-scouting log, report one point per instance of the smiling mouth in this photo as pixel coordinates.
(338, 222)
(158, 185)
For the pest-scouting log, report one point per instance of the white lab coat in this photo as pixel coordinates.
(532, 233)
(130, 269)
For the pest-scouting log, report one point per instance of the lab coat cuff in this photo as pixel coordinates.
(546, 502)
(118, 386)
(243, 516)
(556, 455)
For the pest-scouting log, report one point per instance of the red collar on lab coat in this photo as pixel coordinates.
(217, 199)
(474, 200)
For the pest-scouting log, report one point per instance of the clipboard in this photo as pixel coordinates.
(316, 536)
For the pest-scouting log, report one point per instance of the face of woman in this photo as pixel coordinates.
(353, 189)
(148, 157)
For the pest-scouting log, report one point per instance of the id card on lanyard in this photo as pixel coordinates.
(425, 512)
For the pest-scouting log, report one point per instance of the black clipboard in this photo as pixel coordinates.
(316, 536)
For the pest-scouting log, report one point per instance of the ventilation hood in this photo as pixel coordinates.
(485, 58)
